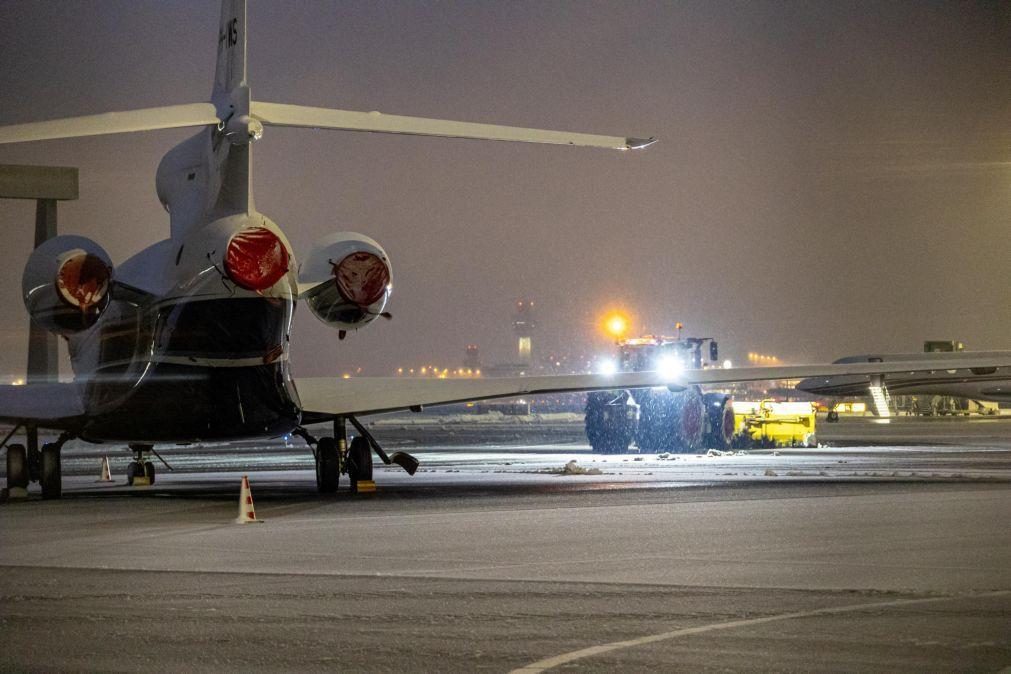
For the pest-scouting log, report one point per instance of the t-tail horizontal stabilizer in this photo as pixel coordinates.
(148, 119)
(281, 114)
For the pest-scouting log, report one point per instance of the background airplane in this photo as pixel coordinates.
(975, 383)
(188, 340)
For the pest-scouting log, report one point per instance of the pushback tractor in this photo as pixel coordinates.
(660, 419)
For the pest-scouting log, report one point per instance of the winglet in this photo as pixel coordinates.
(639, 143)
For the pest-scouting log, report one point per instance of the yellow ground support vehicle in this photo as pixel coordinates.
(777, 424)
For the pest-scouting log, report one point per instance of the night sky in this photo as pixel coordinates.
(831, 178)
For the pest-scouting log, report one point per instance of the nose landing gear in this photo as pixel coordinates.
(140, 471)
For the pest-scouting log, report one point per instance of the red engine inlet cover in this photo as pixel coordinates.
(362, 278)
(256, 259)
(83, 280)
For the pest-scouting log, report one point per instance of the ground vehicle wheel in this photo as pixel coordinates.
(327, 466)
(610, 420)
(17, 466)
(720, 417)
(51, 477)
(689, 421)
(149, 471)
(359, 461)
(656, 432)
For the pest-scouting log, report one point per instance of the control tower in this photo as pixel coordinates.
(523, 328)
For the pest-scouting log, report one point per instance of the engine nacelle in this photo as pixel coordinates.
(67, 284)
(346, 280)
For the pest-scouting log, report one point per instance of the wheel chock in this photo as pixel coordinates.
(141, 481)
(364, 487)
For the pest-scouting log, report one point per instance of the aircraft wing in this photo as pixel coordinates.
(282, 114)
(324, 398)
(47, 405)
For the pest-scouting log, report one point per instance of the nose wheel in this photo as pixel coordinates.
(140, 471)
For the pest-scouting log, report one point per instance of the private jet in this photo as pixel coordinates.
(188, 340)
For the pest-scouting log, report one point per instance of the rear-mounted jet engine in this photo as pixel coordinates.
(346, 281)
(67, 283)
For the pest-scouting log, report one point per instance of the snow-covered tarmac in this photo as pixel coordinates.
(495, 557)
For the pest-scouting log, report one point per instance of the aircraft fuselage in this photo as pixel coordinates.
(182, 353)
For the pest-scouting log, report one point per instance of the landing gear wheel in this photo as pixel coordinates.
(832, 416)
(17, 467)
(133, 470)
(51, 477)
(327, 466)
(149, 471)
(359, 462)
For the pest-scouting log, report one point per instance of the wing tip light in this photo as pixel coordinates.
(639, 143)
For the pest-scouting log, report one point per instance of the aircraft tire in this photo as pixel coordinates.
(327, 466)
(149, 471)
(17, 466)
(132, 471)
(832, 417)
(51, 476)
(359, 461)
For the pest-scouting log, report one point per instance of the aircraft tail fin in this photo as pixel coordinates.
(231, 69)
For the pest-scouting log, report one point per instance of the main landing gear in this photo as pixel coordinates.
(335, 456)
(25, 465)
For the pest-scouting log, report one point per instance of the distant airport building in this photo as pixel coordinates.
(472, 358)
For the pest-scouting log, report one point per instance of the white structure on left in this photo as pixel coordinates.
(46, 185)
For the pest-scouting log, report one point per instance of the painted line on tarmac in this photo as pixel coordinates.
(565, 658)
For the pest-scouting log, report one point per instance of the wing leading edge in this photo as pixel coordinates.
(56, 406)
(328, 397)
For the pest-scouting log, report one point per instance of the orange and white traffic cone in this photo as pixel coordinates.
(246, 512)
(106, 473)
